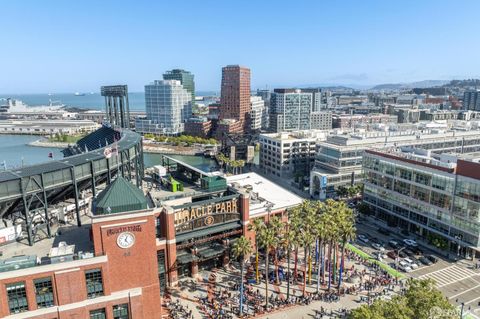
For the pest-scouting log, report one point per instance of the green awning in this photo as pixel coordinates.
(186, 258)
(210, 252)
(207, 231)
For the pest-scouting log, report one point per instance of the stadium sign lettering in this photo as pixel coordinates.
(118, 230)
(187, 214)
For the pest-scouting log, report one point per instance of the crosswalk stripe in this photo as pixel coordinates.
(449, 275)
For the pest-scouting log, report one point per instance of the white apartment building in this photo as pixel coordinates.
(289, 154)
(168, 105)
(258, 114)
(290, 110)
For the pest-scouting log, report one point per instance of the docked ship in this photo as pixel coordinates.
(10, 105)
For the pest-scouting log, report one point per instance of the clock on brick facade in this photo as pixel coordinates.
(125, 240)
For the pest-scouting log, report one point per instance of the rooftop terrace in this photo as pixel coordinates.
(70, 234)
(264, 194)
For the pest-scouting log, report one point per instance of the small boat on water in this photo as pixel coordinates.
(79, 94)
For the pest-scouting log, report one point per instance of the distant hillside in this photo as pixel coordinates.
(463, 83)
(419, 84)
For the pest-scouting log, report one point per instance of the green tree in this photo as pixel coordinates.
(241, 249)
(363, 208)
(346, 231)
(241, 164)
(266, 238)
(256, 227)
(279, 229)
(342, 191)
(295, 220)
(419, 301)
(352, 191)
(289, 239)
(322, 235)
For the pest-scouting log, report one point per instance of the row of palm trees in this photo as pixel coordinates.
(233, 166)
(321, 229)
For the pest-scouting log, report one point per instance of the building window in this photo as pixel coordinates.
(94, 282)
(17, 297)
(120, 311)
(44, 292)
(161, 270)
(98, 314)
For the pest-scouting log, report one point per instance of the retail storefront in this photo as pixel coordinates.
(199, 233)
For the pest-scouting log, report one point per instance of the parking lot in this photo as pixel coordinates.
(459, 281)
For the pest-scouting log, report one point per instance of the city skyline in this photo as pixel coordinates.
(347, 43)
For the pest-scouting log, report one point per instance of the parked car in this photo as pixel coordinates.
(402, 254)
(411, 263)
(383, 231)
(394, 244)
(363, 238)
(404, 266)
(432, 258)
(416, 250)
(392, 254)
(425, 261)
(378, 246)
(410, 242)
(409, 252)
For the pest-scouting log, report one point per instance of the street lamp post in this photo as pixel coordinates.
(462, 305)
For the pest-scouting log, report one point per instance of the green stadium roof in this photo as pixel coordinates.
(119, 197)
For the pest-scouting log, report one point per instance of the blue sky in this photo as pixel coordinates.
(68, 46)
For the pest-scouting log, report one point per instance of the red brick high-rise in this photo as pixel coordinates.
(235, 95)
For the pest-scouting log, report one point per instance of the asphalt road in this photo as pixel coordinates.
(459, 281)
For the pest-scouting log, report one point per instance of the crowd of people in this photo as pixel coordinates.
(179, 311)
(224, 303)
(219, 306)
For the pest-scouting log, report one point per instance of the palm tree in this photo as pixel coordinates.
(293, 238)
(329, 219)
(241, 249)
(241, 164)
(295, 220)
(309, 235)
(255, 227)
(347, 232)
(222, 159)
(266, 238)
(321, 231)
(279, 229)
(329, 229)
(290, 237)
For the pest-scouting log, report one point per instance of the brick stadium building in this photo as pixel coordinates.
(121, 263)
